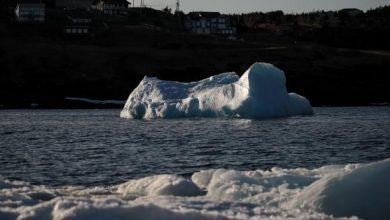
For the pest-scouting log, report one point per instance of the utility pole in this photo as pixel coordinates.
(177, 6)
(177, 13)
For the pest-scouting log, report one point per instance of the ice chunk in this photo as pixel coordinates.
(108, 208)
(160, 185)
(328, 192)
(259, 187)
(362, 192)
(260, 93)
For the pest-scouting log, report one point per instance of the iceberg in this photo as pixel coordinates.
(260, 93)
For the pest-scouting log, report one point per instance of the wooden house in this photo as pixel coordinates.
(209, 23)
(78, 24)
(112, 7)
(30, 12)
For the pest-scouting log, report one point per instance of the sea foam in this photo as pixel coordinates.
(260, 93)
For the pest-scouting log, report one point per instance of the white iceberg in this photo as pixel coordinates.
(260, 93)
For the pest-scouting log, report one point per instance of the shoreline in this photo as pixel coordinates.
(119, 107)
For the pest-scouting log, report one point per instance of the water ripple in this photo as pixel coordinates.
(96, 147)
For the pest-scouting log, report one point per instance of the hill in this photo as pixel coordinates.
(40, 65)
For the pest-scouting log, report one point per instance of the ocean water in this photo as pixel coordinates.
(96, 147)
(65, 158)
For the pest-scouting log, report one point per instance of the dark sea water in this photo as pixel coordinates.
(97, 147)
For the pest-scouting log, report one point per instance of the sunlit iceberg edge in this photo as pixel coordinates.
(260, 93)
(329, 192)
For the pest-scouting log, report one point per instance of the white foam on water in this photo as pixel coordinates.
(349, 191)
(260, 93)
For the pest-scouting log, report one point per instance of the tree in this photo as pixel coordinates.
(167, 10)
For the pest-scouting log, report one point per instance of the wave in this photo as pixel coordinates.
(330, 192)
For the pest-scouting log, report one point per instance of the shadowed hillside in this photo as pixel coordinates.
(40, 65)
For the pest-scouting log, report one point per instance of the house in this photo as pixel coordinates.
(76, 30)
(78, 24)
(111, 7)
(208, 23)
(30, 12)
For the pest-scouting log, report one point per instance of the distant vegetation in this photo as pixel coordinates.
(342, 28)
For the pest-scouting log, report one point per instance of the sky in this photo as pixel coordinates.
(288, 6)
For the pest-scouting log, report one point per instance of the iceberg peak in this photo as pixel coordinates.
(260, 93)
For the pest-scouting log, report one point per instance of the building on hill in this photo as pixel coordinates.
(112, 7)
(76, 30)
(74, 4)
(208, 23)
(78, 24)
(30, 11)
(328, 18)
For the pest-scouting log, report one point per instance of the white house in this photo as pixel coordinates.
(30, 12)
(209, 23)
(111, 7)
(76, 30)
(78, 25)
